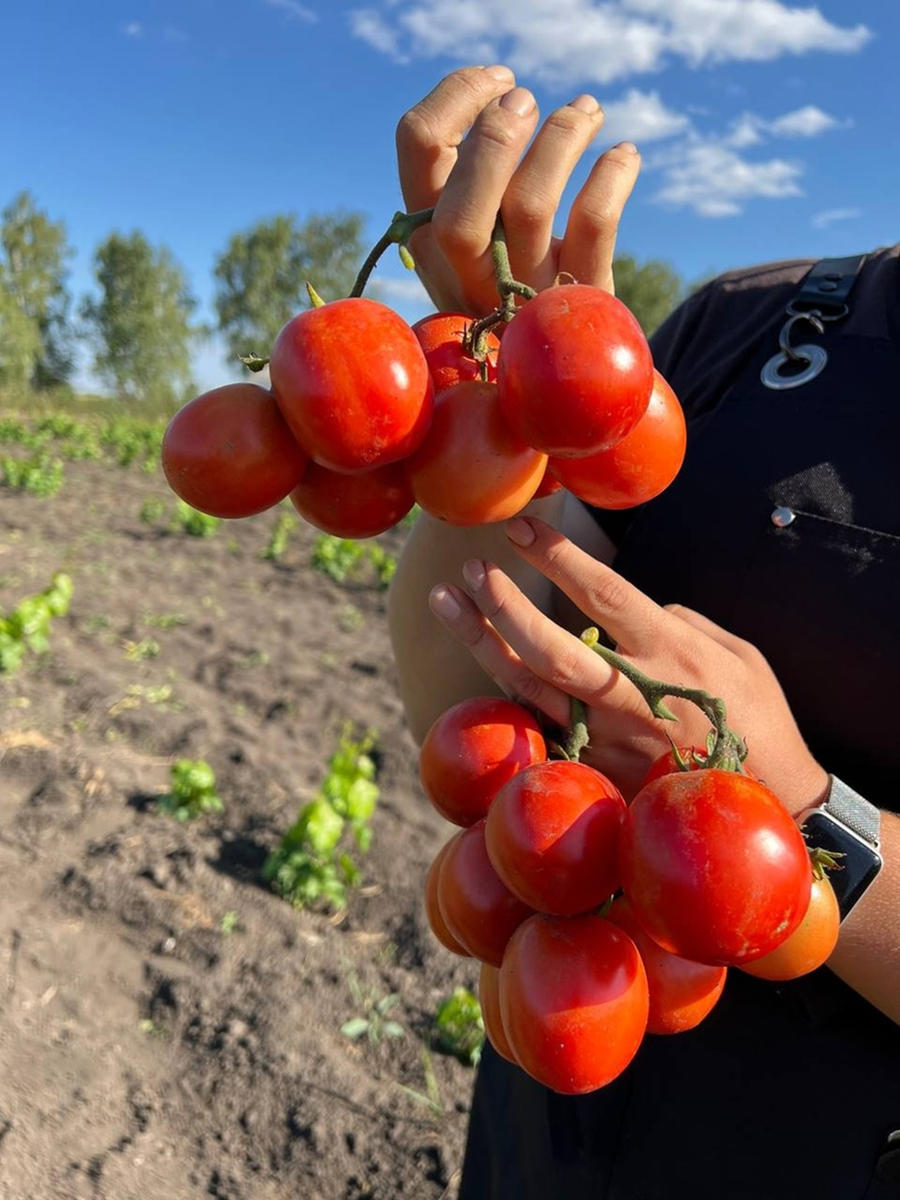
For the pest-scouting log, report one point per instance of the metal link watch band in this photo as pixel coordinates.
(853, 811)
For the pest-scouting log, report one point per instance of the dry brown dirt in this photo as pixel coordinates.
(168, 1025)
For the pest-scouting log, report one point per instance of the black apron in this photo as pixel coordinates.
(785, 1090)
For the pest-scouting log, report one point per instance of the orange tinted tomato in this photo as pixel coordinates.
(433, 909)
(442, 337)
(811, 943)
(472, 469)
(353, 506)
(489, 999)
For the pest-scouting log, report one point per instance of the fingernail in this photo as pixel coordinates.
(498, 71)
(628, 147)
(586, 104)
(473, 574)
(443, 603)
(519, 101)
(520, 531)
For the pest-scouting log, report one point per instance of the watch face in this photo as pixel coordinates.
(857, 862)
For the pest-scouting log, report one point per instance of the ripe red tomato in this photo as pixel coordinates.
(681, 992)
(489, 999)
(811, 943)
(478, 909)
(472, 749)
(471, 469)
(638, 467)
(713, 865)
(353, 506)
(433, 908)
(575, 371)
(353, 384)
(694, 758)
(573, 1000)
(552, 835)
(442, 337)
(229, 453)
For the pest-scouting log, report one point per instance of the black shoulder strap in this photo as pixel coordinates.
(827, 286)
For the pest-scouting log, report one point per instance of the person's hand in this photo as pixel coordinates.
(464, 151)
(541, 664)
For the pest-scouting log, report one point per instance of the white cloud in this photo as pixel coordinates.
(710, 178)
(134, 29)
(641, 117)
(295, 10)
(808, 121)
(406, 291)
(832, 216)
(565, 43)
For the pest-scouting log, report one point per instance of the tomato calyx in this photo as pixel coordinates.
(823, 861)
(726, 749)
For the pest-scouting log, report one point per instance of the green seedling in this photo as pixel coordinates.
(193, 793)
(459, 1027)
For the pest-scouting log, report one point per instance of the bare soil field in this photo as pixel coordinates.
(169, 1026)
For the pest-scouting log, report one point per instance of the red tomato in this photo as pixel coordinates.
(472, 469)
(681, 992)
(433, 909)
(573, 1000)
(472, 749)
(575, 371)
(478, 909)
(229, 452)
(352, 382)
(811, 943)
(637, 468)
(694, 758)
(353, 506)
(442, 337)
(713, 865)
(489, 999)
(552, 835)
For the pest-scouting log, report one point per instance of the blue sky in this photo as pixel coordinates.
(768, 129)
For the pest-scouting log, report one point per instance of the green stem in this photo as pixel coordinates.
(508, 288)
(398, 233)
(728, 750)
(577, 736)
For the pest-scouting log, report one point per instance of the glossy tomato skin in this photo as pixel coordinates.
(552, 835)
(229, 452)
(472, 469)
(811, 943)
(431, 901)
(353, 506)
(693, 757)
(573, 1001)
(478, 909)
(472, 749)
(714, 866)
(489, 999)
(575, 371)
(637, 468)
(352, 383)
(442, 338)
(681, 993)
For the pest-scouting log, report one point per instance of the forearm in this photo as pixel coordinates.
(868, 953)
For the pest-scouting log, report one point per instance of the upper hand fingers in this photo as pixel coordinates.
(590, 241)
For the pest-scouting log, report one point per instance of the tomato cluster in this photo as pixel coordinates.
(597, 922)
(367, 416)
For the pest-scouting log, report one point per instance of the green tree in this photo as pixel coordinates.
(650, 289)
(140, 321)
(261, 276)
(34, 253)
(20, 342)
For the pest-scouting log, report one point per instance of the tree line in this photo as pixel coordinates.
(139, 328)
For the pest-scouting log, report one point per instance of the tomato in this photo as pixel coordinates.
(478, 909)
(681, 992)
(353, 384)
(811, 943)
(472, 749)
(552, 835)
(638, 467)
(713, 865)
(573, 1000)
(693, 758)
(442, 337)
(575, 371)
(489, 999)
(472, 469)
(433, 909)
(548, 485)
(229, 453)
(353, 506)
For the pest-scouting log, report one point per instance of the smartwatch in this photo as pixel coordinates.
(849, 827)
